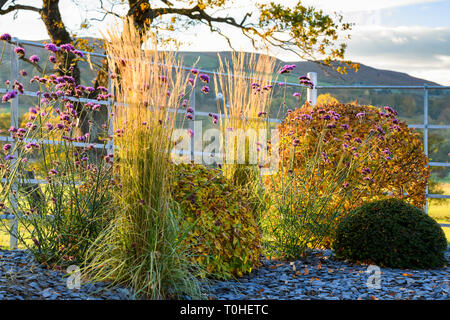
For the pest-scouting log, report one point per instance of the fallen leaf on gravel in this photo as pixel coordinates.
(373, 298)
(306, 271)
(330, 270)
(319, 266)
(407, 274)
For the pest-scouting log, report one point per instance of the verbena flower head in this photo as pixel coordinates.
(390, 110)
(204, 77)
(51, 47)
(23, 73)
(205, 89)
(297, 94)
(287, 68)
(5, 37)
(52, 59)
(19, 50)
(194, 71)
(9, 95)
(67, 47)
(34, 58)
(78, 53)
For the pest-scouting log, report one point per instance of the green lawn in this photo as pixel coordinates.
(440, 211)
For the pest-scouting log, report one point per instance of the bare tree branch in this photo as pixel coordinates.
(18, 7)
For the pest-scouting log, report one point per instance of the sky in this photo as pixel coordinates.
(411, 36)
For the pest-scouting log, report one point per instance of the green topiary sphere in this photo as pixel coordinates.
(391, 233)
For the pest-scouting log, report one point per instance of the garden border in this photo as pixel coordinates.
(311, 96)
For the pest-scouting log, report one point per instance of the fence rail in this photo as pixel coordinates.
(311, 96)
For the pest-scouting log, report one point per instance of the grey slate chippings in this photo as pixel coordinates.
(321, 276)
(22, 278)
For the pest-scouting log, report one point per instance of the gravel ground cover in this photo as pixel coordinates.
(320, 276)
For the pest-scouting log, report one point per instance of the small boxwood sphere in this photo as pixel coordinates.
(391, 233)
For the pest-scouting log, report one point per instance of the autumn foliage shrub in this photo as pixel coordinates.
(391, 233)
(395, 164)
(344, 155)
(224, 237)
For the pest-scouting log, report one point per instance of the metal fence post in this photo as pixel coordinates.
(311, 94)
(14, 118)
(425, 135)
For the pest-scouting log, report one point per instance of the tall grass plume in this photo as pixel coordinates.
(142, 246)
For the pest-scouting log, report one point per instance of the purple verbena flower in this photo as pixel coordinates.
(51, 47)
(78, 53)
(204, 77)
(34, 58)
(205, 89)
(5, 37)
(19, 51)
(67, 47)
(287, 68)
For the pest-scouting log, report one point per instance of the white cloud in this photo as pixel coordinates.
(419, 51)
(355, 5)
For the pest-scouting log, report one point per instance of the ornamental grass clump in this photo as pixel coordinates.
(142, 248)
(246, 85)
